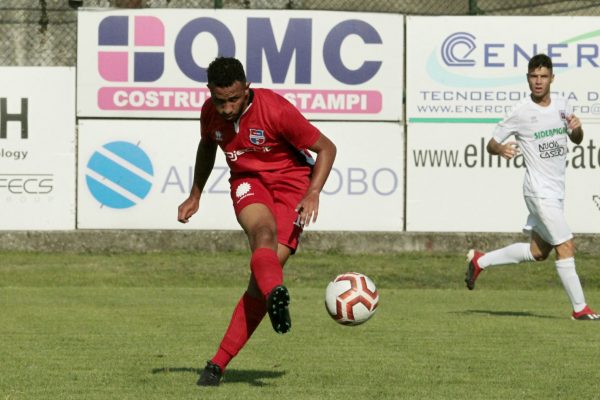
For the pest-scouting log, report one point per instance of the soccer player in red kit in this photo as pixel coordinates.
(275, 187)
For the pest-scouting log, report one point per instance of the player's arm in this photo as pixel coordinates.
(506, 150)
(308, 208)
(574, 129)
(205, 161)
(509, 126)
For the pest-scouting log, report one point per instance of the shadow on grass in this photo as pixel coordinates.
(253, 377)
(508, 314)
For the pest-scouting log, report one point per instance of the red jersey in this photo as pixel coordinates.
(270, 136)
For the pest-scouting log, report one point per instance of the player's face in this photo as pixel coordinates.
(231, 101)
(539, 82)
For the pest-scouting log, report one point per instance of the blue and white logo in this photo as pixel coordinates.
(257, 136)
(457, 48)
(119, 175)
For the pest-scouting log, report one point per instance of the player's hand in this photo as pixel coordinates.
(509, 150)
(187, 209)
(573, 123)
(308, 208)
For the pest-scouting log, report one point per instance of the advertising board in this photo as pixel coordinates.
(37, 148)
(152, 63)
(134, 174)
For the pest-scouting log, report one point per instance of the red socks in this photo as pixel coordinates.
(246, 317)
(249, 311)
(266, 269)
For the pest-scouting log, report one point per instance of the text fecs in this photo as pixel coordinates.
(26, 184)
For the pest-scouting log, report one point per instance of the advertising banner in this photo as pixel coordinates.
(454, 185)
(471, 70)
(152, 63)
(133, 174)
(37, 148)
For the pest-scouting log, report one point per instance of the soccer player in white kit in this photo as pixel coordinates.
(542, 124)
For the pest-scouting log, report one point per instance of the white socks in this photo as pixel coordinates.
(519, 252)
(512, 254)
(570, 280)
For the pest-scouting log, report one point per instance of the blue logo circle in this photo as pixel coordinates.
(119, 175)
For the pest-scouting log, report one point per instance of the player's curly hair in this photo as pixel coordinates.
(538, 61)
(224, 71)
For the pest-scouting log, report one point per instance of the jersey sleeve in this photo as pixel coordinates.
(295, 128)
(508, 126)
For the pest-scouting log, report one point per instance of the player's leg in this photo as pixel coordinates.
(514, 253)
(255, 217)
(286, 192)
(260, 226)
(278, 300)
(554, 231)
(477, 261)
(247, 315)
(539, 248)
(259, 223)
(283, 253)
(565, 267)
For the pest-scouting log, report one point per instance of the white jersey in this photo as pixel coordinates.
(541, 133)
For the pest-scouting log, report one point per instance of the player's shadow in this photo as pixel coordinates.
(508, 314)
(252, 377)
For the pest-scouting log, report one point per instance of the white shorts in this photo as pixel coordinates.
(547, 219)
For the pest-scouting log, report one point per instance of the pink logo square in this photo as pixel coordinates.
(149, 31)
(113, 65)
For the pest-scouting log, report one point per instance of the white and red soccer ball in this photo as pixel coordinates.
(351, 298)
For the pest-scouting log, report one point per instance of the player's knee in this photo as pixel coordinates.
(566, 250)
(264, 236)
(571, 245)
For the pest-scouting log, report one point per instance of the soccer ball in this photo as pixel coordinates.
(351, 298)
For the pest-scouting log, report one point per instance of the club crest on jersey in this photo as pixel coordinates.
(257, 136)
(218, 136)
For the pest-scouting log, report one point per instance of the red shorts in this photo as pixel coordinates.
(281, 193)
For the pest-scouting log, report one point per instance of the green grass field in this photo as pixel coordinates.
(141, 326)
